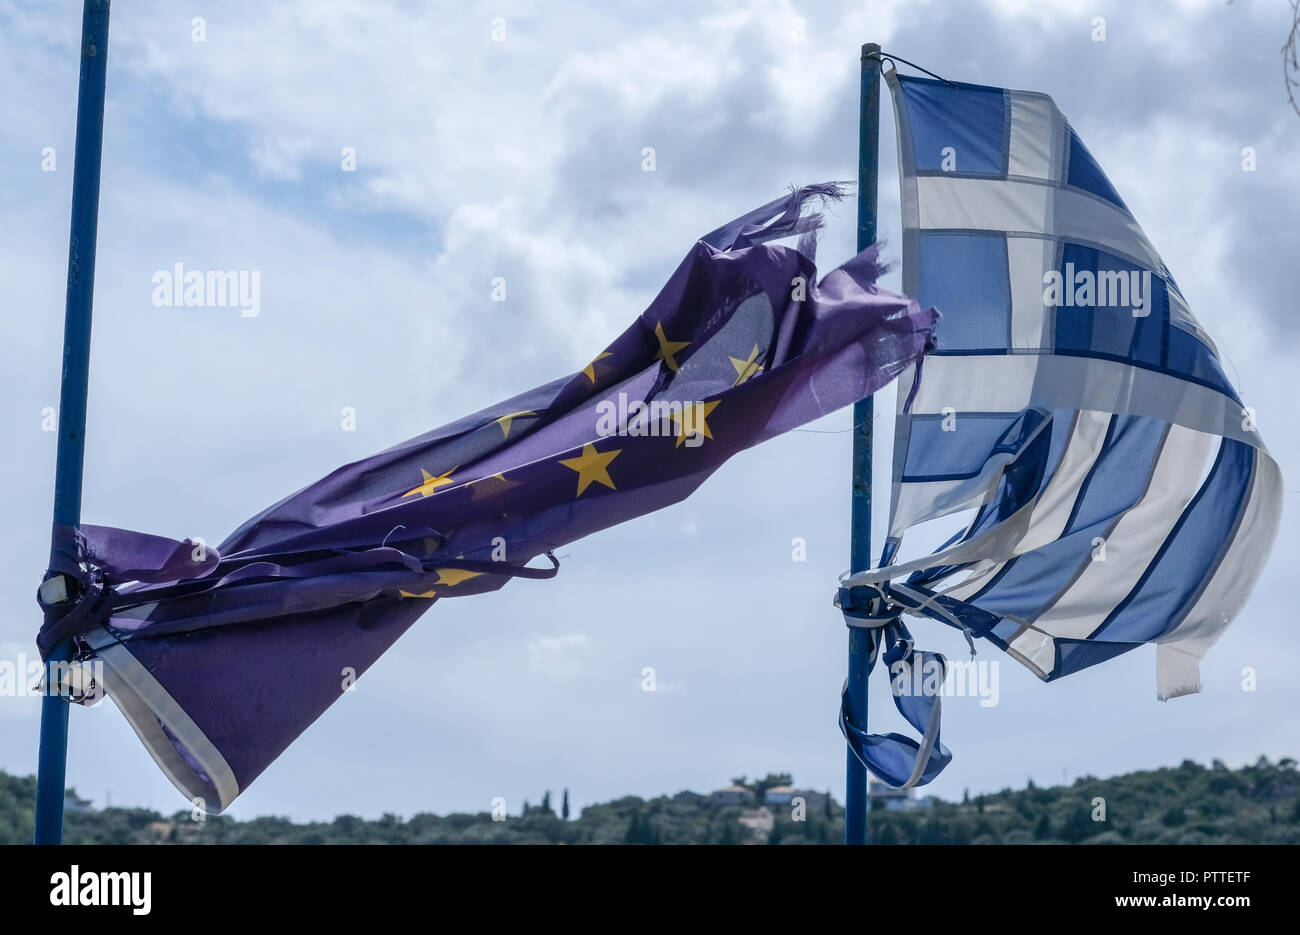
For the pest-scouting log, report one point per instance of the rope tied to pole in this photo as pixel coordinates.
(883, 56)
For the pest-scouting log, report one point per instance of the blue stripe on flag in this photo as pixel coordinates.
(1116, 482)
(961, 450)
(1190, 359)
(1190, 554)
(1107, 325)
(1084, 173)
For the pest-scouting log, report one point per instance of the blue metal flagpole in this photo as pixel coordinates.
(72, 397)
(856, 803)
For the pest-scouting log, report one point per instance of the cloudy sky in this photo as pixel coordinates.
(522, 158)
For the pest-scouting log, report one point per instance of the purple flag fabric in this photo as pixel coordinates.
(220, 658)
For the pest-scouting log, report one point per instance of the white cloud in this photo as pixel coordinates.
(558, 657)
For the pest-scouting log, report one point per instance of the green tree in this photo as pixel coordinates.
(1078, 824)
(564, 805)
(1256, 804)
(1043, 831)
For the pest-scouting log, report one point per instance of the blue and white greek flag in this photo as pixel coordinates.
(1120, 491)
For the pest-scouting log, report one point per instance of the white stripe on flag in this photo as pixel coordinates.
(1232, 582)
(919, 501)
(1012, 382)
(1033, 208)
(1036, 650)
(1036, 136)
(1134, 541)
(1028, 258)
(1056, 503)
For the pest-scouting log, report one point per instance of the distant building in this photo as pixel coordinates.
(887, 797)
(733, 795)
(687, 797)
(759, 821)
(160, 832)
(172, 832)
(814, 800)
(779, 795)
(74, 803)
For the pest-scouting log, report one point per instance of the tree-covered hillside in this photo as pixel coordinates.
(1189, 804)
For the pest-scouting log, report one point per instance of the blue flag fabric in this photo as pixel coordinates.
(220, 658)
(916, 679)
(1116, 489)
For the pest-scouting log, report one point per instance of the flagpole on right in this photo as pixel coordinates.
(856, 802)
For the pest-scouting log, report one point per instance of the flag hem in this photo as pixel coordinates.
(149, 708)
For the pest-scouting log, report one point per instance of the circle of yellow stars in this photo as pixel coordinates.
(592, 465)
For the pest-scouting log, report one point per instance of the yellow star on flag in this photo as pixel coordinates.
(491, 486)
(590, 369)
(453, 576)
(505, 421)
(667, 349)
(746, 368)
(592, 467)
(430, 484)
(693, 416)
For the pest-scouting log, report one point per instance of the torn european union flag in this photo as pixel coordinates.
(221, 657)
